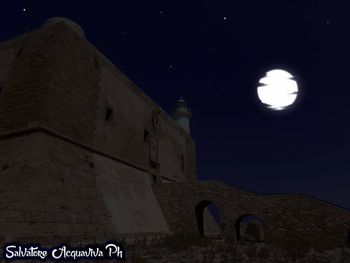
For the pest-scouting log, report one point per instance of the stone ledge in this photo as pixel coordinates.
(43, 129)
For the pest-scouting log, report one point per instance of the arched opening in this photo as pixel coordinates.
(249, 228)
(208, 219)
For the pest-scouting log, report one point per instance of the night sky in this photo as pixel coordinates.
(213, 53)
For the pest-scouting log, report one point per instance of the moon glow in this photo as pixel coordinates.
(278, 90)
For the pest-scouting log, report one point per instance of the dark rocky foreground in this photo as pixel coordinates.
(181, 248)
(187, 249)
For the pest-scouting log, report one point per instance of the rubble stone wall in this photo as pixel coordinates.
(285, 218)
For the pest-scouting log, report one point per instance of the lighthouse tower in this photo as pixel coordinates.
(182, 114)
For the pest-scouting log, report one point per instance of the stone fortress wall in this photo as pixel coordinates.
(288, 219)
(54, 78)
(80, 143)
(86, 154)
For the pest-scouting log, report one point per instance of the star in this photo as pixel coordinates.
(328, 22)
(160, 12)
(24, 9)
(225, 18)
(171, 66)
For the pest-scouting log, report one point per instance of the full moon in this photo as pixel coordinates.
(278, 90)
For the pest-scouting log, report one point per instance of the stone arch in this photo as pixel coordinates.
(208, 219)
(249, 228)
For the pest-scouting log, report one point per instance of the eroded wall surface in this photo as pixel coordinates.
(80, 144)
(55, 79)
(286, 219)
(53, 190)
(129, 199)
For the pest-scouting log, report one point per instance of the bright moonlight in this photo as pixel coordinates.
(278, 89)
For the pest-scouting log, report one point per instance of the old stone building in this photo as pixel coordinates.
(86, 155)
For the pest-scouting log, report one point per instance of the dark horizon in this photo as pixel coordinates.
(213, 55)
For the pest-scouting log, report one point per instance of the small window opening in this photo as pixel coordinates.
(109, 113)
(154, 164)
(146, 136)
(4, 167)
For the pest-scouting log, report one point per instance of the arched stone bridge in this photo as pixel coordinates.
(286, 218)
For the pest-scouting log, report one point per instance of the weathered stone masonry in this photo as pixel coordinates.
(286, 219)
(75, 161)
(86, 155)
